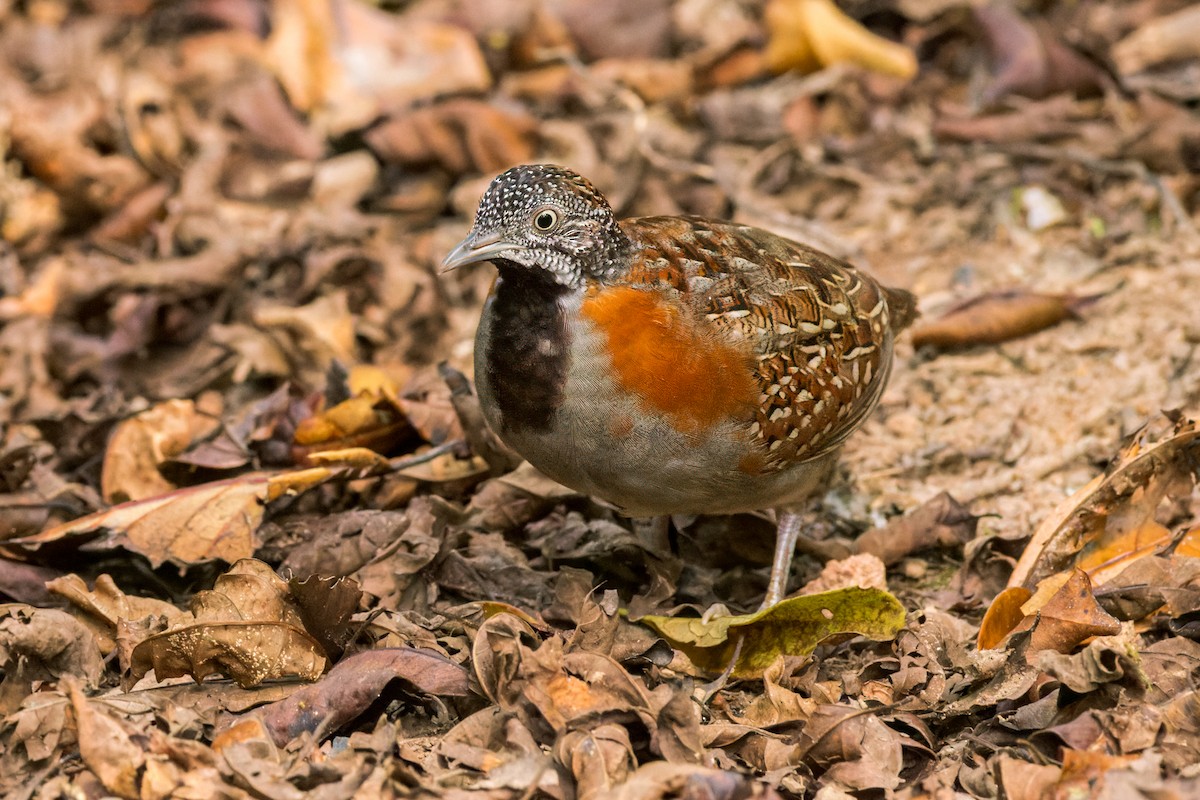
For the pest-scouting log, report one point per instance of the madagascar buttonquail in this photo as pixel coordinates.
(672, 364)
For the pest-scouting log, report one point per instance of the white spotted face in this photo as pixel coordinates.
(546, 218)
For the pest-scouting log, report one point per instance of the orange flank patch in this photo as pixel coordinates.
(669, 362)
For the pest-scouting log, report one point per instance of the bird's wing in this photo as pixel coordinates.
(820, 331)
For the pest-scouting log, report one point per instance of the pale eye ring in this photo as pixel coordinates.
(545, 220)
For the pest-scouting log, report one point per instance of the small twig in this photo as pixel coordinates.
(403, 463)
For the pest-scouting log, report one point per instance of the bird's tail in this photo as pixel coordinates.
(902, 308)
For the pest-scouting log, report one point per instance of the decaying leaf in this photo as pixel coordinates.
(998, 317)
(810, 34)
(793, 627)
(354, 684)
(103, 607)
(247, 627)
(43, 644)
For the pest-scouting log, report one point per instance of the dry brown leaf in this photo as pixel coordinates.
(215, 520)
(106, 746)
(140, 445)
(1070, 616)
(1025, 781)
(1003, 615)
(601, 759)
(810, 34)
(356, 683)
(248, 627)
(940, 522)
(103, 607)
(998, 317)
(40, 645)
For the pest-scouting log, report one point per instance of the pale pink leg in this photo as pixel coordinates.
(787, 532)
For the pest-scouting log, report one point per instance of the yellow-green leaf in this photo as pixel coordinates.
(792, 627)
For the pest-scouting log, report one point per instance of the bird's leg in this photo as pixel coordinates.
(787, 532)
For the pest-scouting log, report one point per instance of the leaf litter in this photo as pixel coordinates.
(256, 540)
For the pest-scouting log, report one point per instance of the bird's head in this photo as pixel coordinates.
(546, 218)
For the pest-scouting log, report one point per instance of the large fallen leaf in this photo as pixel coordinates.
(793, 627)
(810, 34)
(1065, 613)
(247, 627)
(1105, 526)
(213, 521)
(356, 683)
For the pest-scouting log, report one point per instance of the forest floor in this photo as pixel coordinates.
(247, 551)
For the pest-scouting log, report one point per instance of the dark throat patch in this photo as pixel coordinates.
(527, 350)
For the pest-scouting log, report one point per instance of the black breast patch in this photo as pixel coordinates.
(526, 356)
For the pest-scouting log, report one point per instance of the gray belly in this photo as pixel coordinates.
(603, 442)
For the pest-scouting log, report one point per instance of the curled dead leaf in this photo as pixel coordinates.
(141, 444)
(998, 317)
(1113, 513)
(810, 34)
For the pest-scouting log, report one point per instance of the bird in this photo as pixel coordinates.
(672, 364)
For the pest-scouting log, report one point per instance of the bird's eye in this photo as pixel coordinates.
(545, 220)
